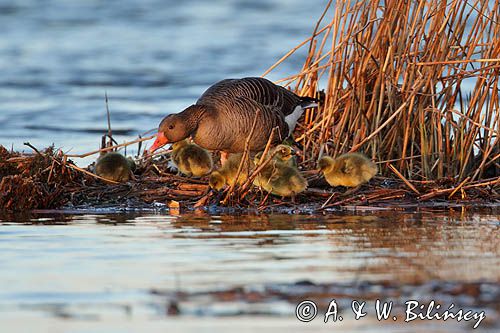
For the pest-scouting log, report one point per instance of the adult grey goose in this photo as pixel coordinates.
(223, 116)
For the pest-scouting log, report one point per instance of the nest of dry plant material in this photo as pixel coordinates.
(38, 180)
(48, 179)
(157, 186)
(393, 74)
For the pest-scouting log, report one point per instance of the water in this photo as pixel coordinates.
(153, 57)
(84, 269)
(109, 272)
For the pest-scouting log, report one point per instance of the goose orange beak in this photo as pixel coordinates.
(160, 141)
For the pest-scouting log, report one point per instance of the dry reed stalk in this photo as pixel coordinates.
(263, 162)
(111, 147)
(108, 116)
(109, 181)
(437, 193)
(413, 188)
(244, 158)
(396, 76)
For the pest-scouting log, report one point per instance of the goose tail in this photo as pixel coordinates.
(308, 102)
(292, 118)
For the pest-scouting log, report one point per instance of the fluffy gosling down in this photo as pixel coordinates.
(284, 154)
(190, 159)
(350, 170)
(115, 167)
(226, 175)
(280, 179)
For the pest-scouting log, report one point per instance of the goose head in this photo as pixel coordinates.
(177, 127)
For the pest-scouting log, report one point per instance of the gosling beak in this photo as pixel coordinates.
(160, 141)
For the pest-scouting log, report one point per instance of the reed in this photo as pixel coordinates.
(412, 82)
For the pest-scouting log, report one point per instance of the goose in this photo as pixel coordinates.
(223, 116)
(115, 167)
(350, 170)
(190, 159)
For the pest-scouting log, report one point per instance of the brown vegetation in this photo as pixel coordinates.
(413, 83)
(395, 76)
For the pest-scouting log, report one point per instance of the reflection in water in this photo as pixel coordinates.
(90, 266)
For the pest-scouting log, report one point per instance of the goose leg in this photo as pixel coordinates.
(223, 157)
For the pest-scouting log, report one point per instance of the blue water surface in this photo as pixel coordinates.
(152, 57)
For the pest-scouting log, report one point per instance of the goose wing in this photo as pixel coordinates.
(260, 90)
(228, 126)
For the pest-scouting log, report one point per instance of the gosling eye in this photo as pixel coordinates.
(171, 127)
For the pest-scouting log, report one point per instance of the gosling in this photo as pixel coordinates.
(190, 159)
(115, 167)
(278, 178)
(283, 153)
(350, 170)
(226, 175)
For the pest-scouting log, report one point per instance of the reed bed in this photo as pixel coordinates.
(48, 179)
(414, 83)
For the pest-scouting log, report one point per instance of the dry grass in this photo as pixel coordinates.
(412, 82)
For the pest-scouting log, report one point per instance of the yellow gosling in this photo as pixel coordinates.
(284, 154)
(280, 179)
(115, 167)
(226, 175)
(350, 170)
(190, 159)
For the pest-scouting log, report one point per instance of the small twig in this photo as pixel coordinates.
(449, 62)
(32, 147)
(51, 170)
(111, 148)
(458, 187)
(413, 188)
(110, 133)
(244, 157)
(328, 200)
(139, 146)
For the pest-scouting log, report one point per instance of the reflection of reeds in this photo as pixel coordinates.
(394, 74)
